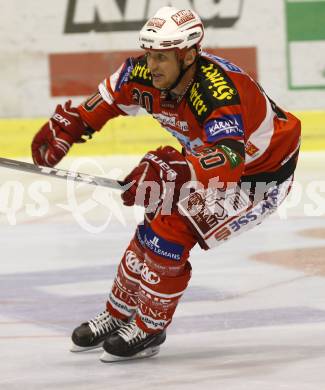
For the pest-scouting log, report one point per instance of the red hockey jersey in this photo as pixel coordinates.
(222, 103)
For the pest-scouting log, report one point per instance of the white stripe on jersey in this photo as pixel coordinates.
(261, 137)
(114, 77)
(106, 95)
(131, 109)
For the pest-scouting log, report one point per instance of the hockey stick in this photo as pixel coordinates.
(62, 174)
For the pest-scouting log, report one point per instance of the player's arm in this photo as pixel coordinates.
(113, 98)
(69, 125)
(223, 156)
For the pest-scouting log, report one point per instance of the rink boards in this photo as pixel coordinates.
(133, 135)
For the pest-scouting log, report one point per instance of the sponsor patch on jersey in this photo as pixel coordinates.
(141, 73)
(265, 207)
(224, 127)
(204, 209)
(182, 125)
(168, 120)
(124, 74)
(212, 89)
(165, 120)
(251, 149)
(226, 64)
(161, 247)
(197, 102)
(233, 158)
(220, 85)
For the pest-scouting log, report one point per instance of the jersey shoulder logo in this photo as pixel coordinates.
(122, 75)
(224, 63)
(212, 88)
(140, 73)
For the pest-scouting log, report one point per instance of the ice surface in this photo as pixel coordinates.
(243, 323)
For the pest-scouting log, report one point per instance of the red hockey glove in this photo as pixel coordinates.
(160, 174)
(55, 138)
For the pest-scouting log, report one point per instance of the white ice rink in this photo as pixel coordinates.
(252, 318)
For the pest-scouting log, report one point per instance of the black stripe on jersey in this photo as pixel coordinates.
(211, 89)
(140, 72)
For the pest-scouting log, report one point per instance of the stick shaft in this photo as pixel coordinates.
(61, 173)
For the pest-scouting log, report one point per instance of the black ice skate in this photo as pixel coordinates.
(130, 342)
(92, 334)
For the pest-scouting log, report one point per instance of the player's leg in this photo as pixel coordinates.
(166, 270)
(122, 300)
(164, 278)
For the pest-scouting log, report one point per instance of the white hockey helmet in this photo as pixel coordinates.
(172, 28)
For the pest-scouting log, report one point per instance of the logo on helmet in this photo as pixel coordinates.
(194, 35)
(171, 43)
(156, 22)
(182, 17)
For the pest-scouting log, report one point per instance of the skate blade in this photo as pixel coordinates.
(109, 358)
(77, 348)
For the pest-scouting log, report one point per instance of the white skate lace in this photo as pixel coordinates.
(131, 333)
(104, 323)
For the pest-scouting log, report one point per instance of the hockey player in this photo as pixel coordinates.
(230, 132)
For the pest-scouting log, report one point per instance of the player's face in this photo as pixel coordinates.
(164, 67)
